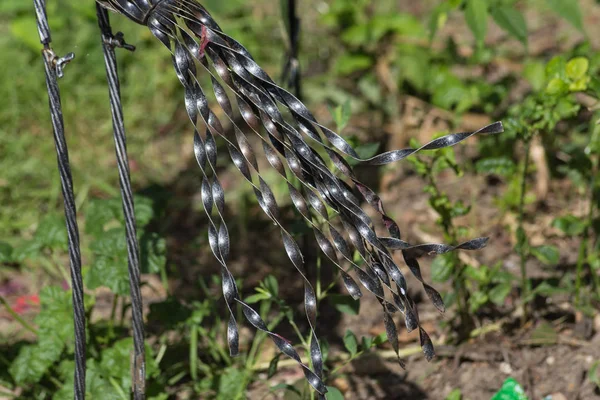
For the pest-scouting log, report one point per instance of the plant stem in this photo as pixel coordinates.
(521, 240)
(319, 294)
(17, 317)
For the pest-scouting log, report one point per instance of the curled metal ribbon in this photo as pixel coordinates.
(291, 138)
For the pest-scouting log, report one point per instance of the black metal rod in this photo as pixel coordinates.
(109, 42)
(53, 66)
(291, 70)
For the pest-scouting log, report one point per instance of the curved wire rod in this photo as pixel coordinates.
(109, 41)
(53, 67)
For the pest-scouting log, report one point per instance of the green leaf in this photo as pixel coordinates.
(380, 339)
(350, 342)
(570, 225)
(144, 210)
(477, 300)
(476, 14)
(557, 87)
(111, 243)
(479, 275)
(545, 289)
(412, 65)
(441, 268)
(153, 253)
(577, 68)
(28, 250)
(357, 35)
(437, 19)
(271, 285)
(349, 63)
(556, 68)
(334, 393)
(231, 384)
(569, 10)
(502, 166)
(456, 394)
(341, 115)
(98, 384)
(345, 304)
(512, 21)
(6, 252)
(98, 213)
(52, 232)
(273, 366)
(56, 316)
(255, 298)
(366, 342)
(535, 73)
(34, 360)
(499, 292)
(110, 273)
(548, 255)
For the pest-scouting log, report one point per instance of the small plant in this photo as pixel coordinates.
(472, 287)
(539, 114)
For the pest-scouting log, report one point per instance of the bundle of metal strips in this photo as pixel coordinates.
(300, 150)
(109, 41)
(54, 69)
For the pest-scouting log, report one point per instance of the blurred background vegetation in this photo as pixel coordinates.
(385, 73)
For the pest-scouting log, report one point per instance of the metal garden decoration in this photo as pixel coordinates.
(296, 146)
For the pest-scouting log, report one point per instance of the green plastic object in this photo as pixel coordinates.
(510, 390)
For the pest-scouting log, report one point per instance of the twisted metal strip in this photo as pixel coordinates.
(259, 100)
(368, 194)
(274, 161)
(372, 285)
(385, 158)
(433, 294)
(241, 158)
(66, 181)
(325, 245)
(138, 366)
(403, 307)
(183, 64)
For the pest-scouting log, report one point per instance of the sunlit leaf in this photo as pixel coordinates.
(512, 21)
(350, 342)
(476, 14)
(569, 10)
